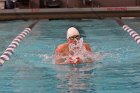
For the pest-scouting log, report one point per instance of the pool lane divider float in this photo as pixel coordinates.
(10, 49)
(131, 32)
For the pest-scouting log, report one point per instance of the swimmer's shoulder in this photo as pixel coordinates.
(61, 47)
(87, 46)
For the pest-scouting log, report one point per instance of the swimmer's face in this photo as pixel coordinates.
(73, 38)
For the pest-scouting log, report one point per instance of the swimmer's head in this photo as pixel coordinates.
(72, 31)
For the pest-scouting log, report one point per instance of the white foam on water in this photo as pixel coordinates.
(47, 58)
(78, 50)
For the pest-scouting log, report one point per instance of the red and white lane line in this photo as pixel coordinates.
(132, 33)
(11, 48)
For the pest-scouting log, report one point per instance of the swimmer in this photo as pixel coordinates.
(66, 53)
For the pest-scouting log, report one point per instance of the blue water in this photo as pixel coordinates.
(31, 68)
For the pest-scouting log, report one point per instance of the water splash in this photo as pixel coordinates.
(77, 50)
(47, 58)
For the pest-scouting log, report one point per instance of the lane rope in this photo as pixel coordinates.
(132, 33)
(11, 48)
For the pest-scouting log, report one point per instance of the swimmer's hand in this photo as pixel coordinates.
(70, 60)
(77, 60)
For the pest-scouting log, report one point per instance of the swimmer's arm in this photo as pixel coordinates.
(89, 60)
(59, 51)
(60, 61)
(88, 48)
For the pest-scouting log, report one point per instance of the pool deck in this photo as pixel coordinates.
(69, 13)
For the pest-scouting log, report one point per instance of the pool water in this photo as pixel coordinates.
(31, 68)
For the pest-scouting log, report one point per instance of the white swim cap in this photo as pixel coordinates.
(71, 32)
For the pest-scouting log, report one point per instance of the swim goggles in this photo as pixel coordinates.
(74, 37)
